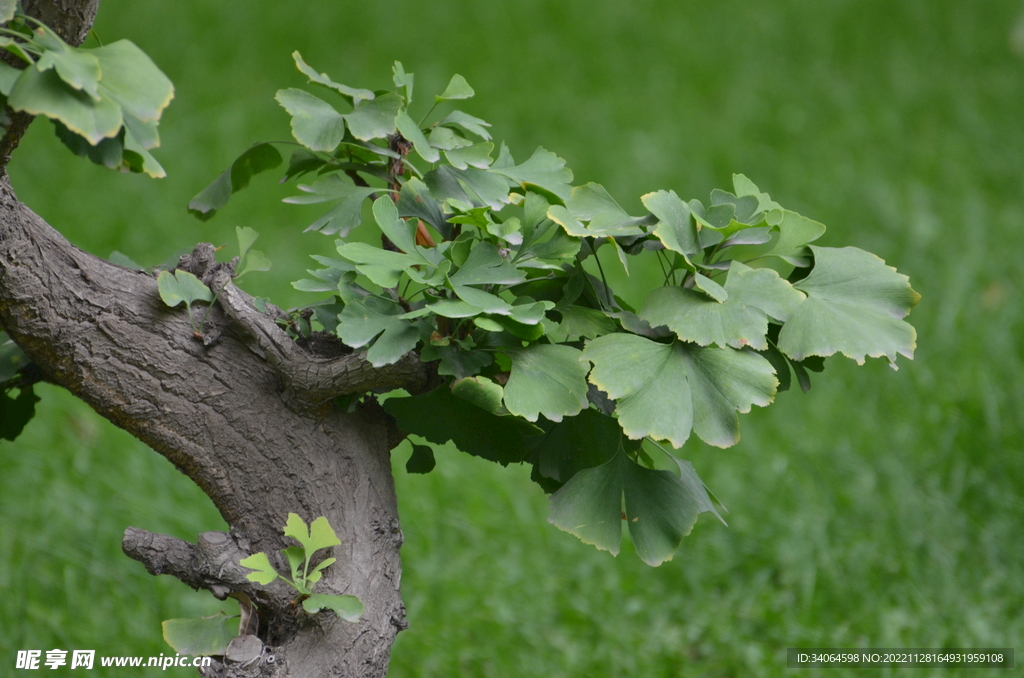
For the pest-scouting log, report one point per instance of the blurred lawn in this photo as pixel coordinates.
(883, 509)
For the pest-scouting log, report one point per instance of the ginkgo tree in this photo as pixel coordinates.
(468, 302)
(489, 269)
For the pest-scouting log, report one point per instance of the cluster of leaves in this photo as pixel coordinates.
(489, 268)
(215, 635)
(179, 286)
(315, 537)
(105, 102)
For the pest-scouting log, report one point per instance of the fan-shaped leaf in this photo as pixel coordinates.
(664, 390)
(855, 306)
(546, 379)
(659, 508)
(315, 123)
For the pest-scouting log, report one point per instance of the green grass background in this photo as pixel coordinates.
(882, 509)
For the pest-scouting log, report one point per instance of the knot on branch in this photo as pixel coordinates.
(211, 563)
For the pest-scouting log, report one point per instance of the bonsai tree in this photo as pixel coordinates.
(469, 302)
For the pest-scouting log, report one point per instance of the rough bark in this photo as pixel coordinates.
(243, 411)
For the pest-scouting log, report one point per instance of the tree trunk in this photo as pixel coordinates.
(241, 409)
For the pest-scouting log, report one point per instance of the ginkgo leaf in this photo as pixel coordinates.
(855, 306)
(202, 636)
(411, 131)
(738, 317)
(457, 88)
(130, 78)
(374, 119)
(403, 80)
(659, 508)
(587, 440)
(44, 93)
(263, 572)
(182, 286)
(664, 390)
(592, 203)
(676, 230)
(795, 232)
(349, 608)
(546, 379)
(257, 158)
(469, 123)
(544, 169)
(351, 94)
(364, 320)
(315, 123)
(441, 417)
(486, 266)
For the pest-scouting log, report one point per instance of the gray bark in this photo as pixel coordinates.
(242, 410)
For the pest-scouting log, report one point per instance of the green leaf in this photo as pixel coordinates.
(321, 536)
(398, 231)
(659, 509)
(481, 392)
(7, 10)
(78, 68)
(374, 119)
(365, 320)
(130, 78)
(421, 460)
(415, 201)
(317, 572)
(203, 636)
(255, 261)
(120, 259)
(457, 88)
(256, 159)
(108, 152)
(795, 231)
(9, 75)
(738, 319)
(348, 608)
(315, 123)
(441, 417)
(296, 556)
(744, 186)
(578, 322)
(545, 170)
(44, 93)
(139, 159)
(448, 182)
(352, 95)
(855, 306)
(403, 79)
(411, 131)
(664, 390)
(676, 230)
(344, 216)
(592, 203)
(246, 237)
(15, 413)
(469, 123)
(182, 286)
(383, 267)
(477, 155)
(486, 266)
(587, 440)
(454, 361)
(440, 137)
(546, 379)
(263, 571)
